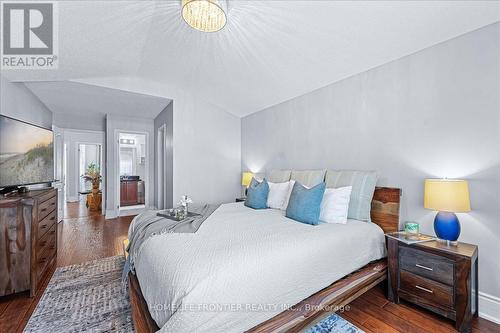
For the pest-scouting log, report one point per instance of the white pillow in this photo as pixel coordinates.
(335, 205)
(277, 194)
(291, 183)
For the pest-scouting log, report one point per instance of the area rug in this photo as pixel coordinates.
(88, 298)
(84, 298)
(334, 324)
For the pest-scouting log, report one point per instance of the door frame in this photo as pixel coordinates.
(117, 171)
(161, 152)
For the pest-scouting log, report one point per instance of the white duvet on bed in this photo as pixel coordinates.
(244, 266)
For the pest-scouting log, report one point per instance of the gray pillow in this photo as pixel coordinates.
(308, 178)
(363, 186)
(278, 176)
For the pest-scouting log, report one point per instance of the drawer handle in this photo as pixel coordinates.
(424, 267)
(43, 209)
(53, 218)
(53, 204)
(43, 226)
(43, 260)
(43, 243)
(424, 289)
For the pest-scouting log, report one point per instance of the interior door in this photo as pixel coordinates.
(59, 174)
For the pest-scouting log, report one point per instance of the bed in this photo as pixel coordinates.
(257, 271)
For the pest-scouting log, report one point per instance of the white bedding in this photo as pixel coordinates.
(244, 266)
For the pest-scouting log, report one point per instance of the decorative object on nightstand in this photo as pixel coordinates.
(412, 227)
(448, 196)
(246, 179)
(185, 201)
(440, 278)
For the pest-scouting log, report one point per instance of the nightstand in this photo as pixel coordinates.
(440, 278)
(240, 199)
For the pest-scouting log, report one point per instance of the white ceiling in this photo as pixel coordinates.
(82, 99)
(269, 51)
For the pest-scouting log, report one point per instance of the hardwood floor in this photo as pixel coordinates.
(91, 237)
(372, 312)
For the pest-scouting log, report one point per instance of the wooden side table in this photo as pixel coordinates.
(437, 277)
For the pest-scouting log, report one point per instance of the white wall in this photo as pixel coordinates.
(206, 141)
(116, 124)
(207, 152)
(18, 102)
(435, 113)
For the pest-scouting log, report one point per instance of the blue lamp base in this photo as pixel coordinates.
(447, 227)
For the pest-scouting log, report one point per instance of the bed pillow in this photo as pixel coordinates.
(308, 178)
(363, 186)
(304, 205)
(278, 194)
(335, 205)
(278, 176)
(291, 183)
(257, 194)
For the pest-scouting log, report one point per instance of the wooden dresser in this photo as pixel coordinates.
(28, 239)
(440, 278)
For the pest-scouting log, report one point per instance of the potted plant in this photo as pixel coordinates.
(93, 174)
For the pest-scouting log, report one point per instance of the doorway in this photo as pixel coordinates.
(89, 162)
(133, 166)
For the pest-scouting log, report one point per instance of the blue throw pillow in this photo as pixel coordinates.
(257, 194)
(304, 204)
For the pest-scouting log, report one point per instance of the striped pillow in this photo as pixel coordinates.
(363, 186)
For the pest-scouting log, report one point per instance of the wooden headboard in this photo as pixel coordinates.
(385, 208)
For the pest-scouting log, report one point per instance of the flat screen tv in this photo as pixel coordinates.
(26, 153)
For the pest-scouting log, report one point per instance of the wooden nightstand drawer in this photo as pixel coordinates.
(427, 265)
(427, 290)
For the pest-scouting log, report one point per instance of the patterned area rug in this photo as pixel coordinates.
(334, 324)
(88, 298)
(84, 298)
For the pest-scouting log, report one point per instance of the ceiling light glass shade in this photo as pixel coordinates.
(205, 15)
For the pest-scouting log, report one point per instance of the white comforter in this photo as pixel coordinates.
(244, 266)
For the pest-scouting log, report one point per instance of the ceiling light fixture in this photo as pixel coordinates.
(205, 15)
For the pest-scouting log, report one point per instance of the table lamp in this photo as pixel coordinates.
(447, 196)
(246, 179)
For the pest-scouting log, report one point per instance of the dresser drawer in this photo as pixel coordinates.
(46, 242)
(426, 264)
(427, 290)
(46, 196)
(46, 207)
(47, 223)
(44, 258)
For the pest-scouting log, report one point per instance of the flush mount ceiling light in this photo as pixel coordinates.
(205, 15)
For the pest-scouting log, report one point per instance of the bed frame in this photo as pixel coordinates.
(384, 212)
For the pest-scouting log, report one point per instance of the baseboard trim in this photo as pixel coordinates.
(131, 211)
(110, 214)
(72, 199)
(489, 307)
